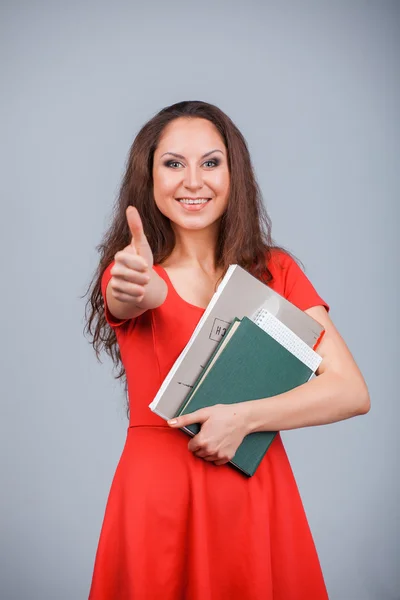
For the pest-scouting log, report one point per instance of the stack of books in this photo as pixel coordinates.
(250, 343)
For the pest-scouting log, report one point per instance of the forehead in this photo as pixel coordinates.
(190, 135)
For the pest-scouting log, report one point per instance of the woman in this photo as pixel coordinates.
(180, 523)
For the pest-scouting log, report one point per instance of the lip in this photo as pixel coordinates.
(193, 207)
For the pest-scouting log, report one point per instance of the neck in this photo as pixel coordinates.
(195, 248)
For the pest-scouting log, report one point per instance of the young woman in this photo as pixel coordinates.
(180, 523)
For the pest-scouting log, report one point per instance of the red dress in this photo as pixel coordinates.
(177, 527)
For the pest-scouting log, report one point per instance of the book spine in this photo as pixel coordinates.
(189, 396)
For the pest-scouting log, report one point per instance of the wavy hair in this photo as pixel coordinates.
(245, 227)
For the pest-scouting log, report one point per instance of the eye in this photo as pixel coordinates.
(173, 163)
(212, 162)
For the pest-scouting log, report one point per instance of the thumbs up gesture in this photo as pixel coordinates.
(139, 242)
(133, 268)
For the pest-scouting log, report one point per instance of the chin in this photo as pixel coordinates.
(193, 225)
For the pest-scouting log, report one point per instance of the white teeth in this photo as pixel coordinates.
(197, 201)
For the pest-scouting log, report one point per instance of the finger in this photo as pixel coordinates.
(132, 276)
(132, 261)
(195, 445)
(199, 416)
(206, 455)
(222, 461)
(127, 297)
(135, 227)
(125, 289)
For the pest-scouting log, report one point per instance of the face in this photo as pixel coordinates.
(190, 174)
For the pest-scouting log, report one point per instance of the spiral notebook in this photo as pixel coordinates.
(287, 338)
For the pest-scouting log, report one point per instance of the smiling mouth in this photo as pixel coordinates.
(193, 200)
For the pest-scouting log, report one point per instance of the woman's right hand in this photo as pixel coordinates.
(133, 268)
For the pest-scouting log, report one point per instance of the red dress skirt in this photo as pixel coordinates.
(177, 527)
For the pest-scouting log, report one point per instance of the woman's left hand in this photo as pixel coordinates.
(223, 427)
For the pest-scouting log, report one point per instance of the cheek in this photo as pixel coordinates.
(221, 182)
(163, 184)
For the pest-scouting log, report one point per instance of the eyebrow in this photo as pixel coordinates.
(181, 156)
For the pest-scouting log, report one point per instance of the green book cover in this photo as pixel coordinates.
(248, 364)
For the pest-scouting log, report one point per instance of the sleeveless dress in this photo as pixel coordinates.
(177, 527)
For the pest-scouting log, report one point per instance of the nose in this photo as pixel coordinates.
(193, 178)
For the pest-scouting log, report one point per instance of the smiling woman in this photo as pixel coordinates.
(179, 521)
(195, 180)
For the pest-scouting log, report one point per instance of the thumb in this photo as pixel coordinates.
(135, 227)
(199, 416)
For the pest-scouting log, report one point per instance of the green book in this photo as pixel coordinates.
(248, 364)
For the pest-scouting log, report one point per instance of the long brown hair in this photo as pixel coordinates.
(245, 228)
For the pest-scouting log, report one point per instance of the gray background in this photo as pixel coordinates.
(314, 87)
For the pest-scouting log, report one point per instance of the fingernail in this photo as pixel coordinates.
(172, 422)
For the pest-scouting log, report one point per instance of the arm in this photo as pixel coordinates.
(337, 392)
